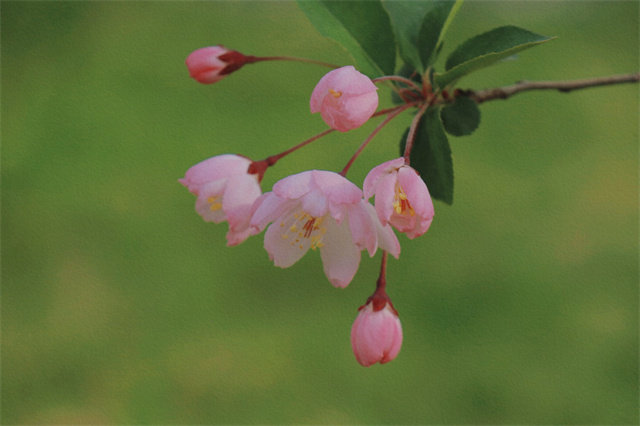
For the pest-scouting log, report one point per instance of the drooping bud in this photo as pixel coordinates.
(376, 335)
(345, 98)
(226, 191)
(402, 197)
(209, 65)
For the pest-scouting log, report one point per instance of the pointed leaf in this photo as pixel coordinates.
(433, 28)
(461, 117)
(414, 21)
(485, 49)
(431, 156)
(406, 19)
(361, 27)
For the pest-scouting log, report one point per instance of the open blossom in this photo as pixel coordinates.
(345, 98)
(211, 64)
(226, 192)
(402, 198)
(376, 335)
(323, 211)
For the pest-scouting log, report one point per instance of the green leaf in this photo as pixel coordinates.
(362, 27)
(434, 26)
(461, 117)
(406, 19)
(431, 155)
(485, 49)
(414, 20)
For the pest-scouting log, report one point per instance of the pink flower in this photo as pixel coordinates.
(321, 210)
(225, 191)
(345, 98)
(209, 65)
(402, 198)
(376, 335)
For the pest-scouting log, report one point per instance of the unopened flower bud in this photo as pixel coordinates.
(376, 335)
(345, 98)
(209, 65)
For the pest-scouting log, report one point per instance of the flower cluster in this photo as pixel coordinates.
(318, 210)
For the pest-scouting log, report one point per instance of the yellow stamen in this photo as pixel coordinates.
(401, 205)
(310, 229)
(335, 94)
(215, 206)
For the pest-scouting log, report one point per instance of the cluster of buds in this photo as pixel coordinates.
(318, 209)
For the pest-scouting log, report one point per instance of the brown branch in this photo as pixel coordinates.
(562, 86)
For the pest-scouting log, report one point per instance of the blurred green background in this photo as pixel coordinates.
(121, 306)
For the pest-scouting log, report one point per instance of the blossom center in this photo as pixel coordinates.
(214, 203)
(304, 231)
(335, 93)
(400, 203)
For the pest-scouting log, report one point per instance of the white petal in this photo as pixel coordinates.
(270, 208)
(386, 238)
(284, 247)
(315, 203)
(363, 231)
(340, 256)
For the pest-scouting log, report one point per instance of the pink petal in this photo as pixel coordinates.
(340, 256)
(338, 189)
(294, 186)
(349, 81)
(236, 237)
(315, 203)
(420, 200)
(385, 237)
(281, 250)
(371, 181)
(395, 344)
(415, 189)
(219, 167)
(209, 202)
(240, 193)
(421, 226)
(333, 114)
(362, 229)
(270, 208)
(385, 192)
(359, 108)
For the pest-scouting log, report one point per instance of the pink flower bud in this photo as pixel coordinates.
(376, 335)
(209, 65)
(345, 98)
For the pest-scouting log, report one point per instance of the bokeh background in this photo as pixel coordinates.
(121, 306)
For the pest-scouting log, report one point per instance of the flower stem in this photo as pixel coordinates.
(412, 133)
(253, 59)
(379, 299)
(392, 113)
(382, 279)
(400, 79)
(260, 167)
